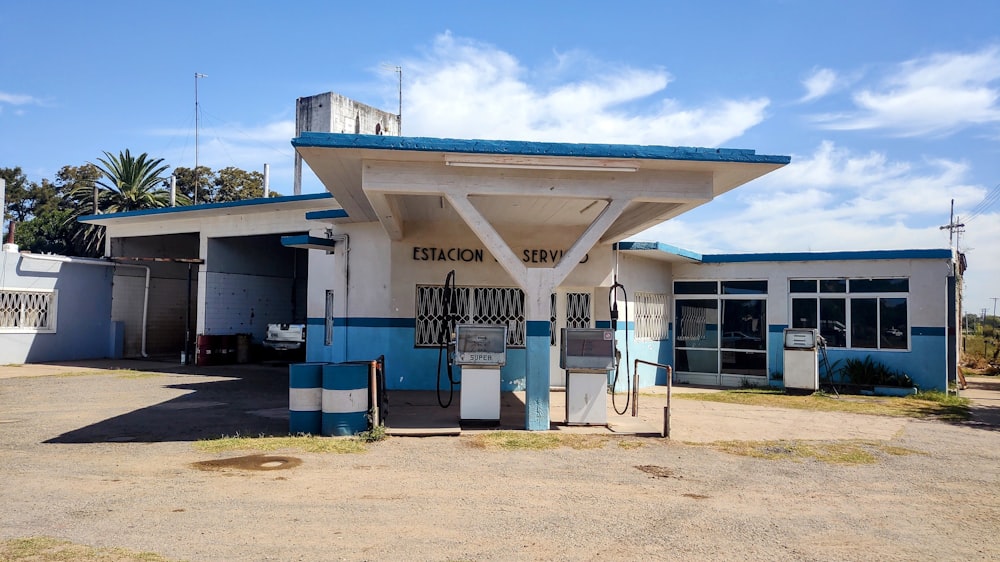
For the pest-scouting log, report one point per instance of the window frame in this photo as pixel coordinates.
(51, 312)
(851, 299)
(516, 332)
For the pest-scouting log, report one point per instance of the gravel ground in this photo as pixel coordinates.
(105, 460)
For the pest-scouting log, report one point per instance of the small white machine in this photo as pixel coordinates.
(587, 355)
(481, 351)
(801, 359)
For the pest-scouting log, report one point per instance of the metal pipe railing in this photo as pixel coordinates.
(635, 387)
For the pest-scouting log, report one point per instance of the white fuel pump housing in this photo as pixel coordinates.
(480, 350)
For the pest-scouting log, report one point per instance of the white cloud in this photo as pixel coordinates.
(819, 84)
(933, 95)
(16, 99)
(465, 89)
(836, 200)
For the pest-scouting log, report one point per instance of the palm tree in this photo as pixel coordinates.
(127, 183)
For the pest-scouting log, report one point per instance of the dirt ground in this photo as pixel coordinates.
(108, 460)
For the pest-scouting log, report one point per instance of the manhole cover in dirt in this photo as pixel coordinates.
(251, 462)
(657, 471)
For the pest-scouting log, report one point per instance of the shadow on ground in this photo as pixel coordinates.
(250, 400)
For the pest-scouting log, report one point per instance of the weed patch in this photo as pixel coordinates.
(851, 452)
(47, 549)
(535, 441)
(924, 405)
(304, 443)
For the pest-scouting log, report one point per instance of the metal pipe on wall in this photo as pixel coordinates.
(85, 261)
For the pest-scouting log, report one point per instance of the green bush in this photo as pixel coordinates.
(868, 372)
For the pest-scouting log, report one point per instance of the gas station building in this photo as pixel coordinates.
(539, 237)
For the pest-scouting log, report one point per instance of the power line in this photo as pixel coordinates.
(988, 201)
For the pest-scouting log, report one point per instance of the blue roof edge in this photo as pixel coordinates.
(530, 148)
(207, 206)
(931, 253)
(660, 247)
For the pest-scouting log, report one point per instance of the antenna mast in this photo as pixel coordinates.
(196, 182)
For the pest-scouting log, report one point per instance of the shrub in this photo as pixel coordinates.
(868, 372)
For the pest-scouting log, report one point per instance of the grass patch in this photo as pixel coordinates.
(304, 443)
(629, 444)
(851, 452)
(935, 405)
(535, 441)
(47, 549)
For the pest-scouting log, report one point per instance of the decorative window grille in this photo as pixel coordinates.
(651, 316)
(475, 305)
(693, 320)
(27, 310)
(577, 314)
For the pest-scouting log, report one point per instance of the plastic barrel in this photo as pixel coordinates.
(345, 398)
(305, 398)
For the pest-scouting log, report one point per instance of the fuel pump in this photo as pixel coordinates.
(617, 288)
(446, 335)
(481, 350)
(587, 355)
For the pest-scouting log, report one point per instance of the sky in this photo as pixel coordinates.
(889, 109)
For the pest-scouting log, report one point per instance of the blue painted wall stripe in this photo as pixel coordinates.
(537, 328)
(928, 331)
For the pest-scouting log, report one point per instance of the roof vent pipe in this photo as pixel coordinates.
(173, 190)
(10, 246)
(3, 201)
(267, 179)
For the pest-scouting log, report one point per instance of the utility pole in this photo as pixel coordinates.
(952, 226)
(196, 77)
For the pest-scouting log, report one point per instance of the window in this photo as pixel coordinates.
(866, 314)
(651, 316)
(721, 327)
(28, 310)
(577, 314)
(474, 305)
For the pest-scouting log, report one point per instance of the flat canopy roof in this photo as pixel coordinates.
(389, 178)
(310, 202)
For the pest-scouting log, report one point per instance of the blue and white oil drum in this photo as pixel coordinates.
(345, 398)
(305, 398)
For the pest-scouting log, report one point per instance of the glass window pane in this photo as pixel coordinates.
(898, 285)
(744, 363)
(802, 285)
(744, 324)
(697, 360)
(833, 322)
(696, 287)
(864, 323)
(892, 316)
(833, 285)
(697, 322)
(744, 287)
(804, 313)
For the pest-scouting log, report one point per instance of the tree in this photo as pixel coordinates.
(234, 184)
(17, 194)
(127, 183)
(186, 178)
